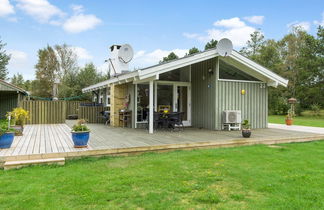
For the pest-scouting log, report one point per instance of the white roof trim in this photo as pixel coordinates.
(179, 63)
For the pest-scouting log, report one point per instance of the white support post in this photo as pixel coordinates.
(135, 106)
(155, 96)
(151, 107)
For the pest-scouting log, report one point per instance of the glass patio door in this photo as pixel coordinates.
(176, 97)
(182, 102)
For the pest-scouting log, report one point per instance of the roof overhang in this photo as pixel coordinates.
(153, 72)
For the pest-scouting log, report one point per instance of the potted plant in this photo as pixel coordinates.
(7, 135)
(246, 129)
(19, 117)
(289, 117)
(80, 134)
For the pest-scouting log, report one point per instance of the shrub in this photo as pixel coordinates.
(246, 124)
(19, 115)
(316, 109)
(80, 126)
(4, 128)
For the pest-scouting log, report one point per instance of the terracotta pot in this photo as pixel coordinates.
(289, 121)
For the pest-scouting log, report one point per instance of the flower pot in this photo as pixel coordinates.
(289, 121)
(246, 133)
(80, 138)
(6, 140)
(19, 129)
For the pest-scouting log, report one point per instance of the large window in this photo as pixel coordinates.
(227, 71)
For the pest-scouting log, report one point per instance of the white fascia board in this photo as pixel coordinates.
(104, 84)
(155, 70)
(260, 69)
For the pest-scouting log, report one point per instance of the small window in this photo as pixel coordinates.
(227, 71)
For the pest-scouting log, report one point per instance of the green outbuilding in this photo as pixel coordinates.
(10, 97)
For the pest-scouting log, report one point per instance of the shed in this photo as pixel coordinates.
(10, 97)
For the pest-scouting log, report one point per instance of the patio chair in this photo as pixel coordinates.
(175, 120)
(105, 115)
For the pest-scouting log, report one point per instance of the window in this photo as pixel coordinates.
(227, 71)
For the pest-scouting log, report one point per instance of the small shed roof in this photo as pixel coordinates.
(8, 87)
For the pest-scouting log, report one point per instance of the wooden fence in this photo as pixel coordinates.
(50, 112)
(72, 108)
(45, 112)
(91, 113)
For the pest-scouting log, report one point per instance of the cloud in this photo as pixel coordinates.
(303, 25)
(321, 22)
(77, 9)
(80, 22)
(6, 8)
(82, 53)
(144, 59)
(255, 19)
(234, 29)
(20, 63)
(41, 10)
(230, 23)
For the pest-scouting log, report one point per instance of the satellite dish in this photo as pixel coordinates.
(125, 53)
(224, 47)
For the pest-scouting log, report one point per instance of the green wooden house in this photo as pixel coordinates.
(205, 86)
(10, 97)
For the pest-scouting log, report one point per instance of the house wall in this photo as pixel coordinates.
(253, 104)
(203, 94)
(210, 97)
(8, 101)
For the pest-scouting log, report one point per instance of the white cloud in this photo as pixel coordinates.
(230, 23)
(20, 63)
(234, 29)
(321, 22)
(255, 19)
(77, 8)
(6, 8)
(144, 59)
(41, 10)
(303, 25)
(80, 22)
(82, 53)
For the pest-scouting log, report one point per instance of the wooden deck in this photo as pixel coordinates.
(54, 141)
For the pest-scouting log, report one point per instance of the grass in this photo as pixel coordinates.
(314, 121)
(288, 176)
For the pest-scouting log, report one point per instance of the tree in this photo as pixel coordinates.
(47, 70)
(254, 44)
(68, 70)
(211, 44)
(193, 51)
(171, 56)
(18, 80)
(4, 60)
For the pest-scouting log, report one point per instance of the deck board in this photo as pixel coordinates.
(56, 138)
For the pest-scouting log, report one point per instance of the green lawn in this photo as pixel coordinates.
(299, 120)
(288, 176)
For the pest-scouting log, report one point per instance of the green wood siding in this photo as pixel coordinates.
(203, 94)
(7, 103)
(253, 105)
(210, 97)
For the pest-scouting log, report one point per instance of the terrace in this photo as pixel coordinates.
(48, 141)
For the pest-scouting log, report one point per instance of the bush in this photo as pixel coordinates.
(316, 109)
(80, 126)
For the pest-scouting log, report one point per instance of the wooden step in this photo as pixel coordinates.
(22, 163)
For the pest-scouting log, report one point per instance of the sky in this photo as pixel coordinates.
(152, 28)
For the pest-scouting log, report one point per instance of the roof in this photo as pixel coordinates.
(5, 86)
(153, 72)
